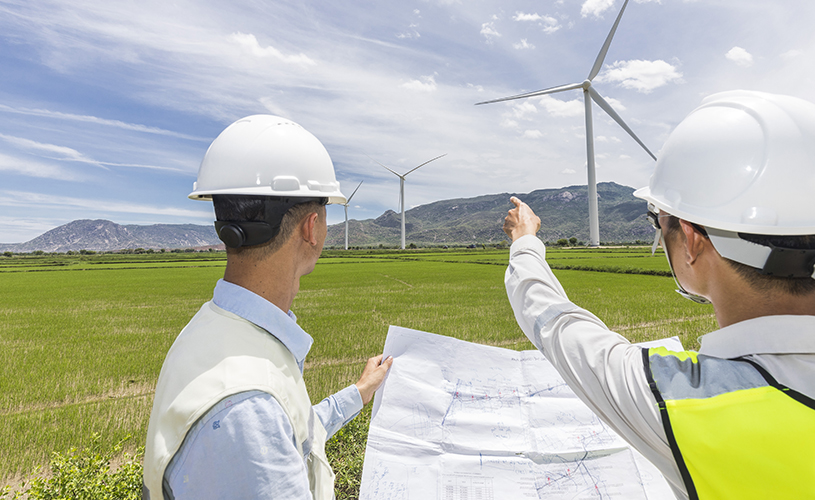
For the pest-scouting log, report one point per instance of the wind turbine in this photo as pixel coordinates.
(346, 212)
(402, 189)
(589, 94)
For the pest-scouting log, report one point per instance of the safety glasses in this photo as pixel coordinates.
(653, 218)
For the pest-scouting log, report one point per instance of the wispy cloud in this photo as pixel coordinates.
(49, 150)
(740, 56)
(791, 54)
(39, 200)
(99, 121)
(523, 44)
(64, 153)
(38, 169)
(489, 31)
(642, 76)
(250, 44)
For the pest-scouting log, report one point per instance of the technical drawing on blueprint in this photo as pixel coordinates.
(461, 421)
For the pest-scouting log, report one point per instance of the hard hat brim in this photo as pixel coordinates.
(334, 197)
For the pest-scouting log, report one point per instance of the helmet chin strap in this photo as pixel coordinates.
(680, 290)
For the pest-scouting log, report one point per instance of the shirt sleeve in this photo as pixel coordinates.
(338, 409)
(600, 366)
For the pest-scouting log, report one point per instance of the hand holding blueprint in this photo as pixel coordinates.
(456, 420)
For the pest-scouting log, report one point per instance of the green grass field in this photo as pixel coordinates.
(82, 338)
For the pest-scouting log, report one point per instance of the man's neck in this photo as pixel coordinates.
(736, 301)
(275, 278)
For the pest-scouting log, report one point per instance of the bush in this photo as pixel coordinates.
(346, 454)
(86, 475)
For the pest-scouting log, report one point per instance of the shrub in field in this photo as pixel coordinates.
(86, 475)
(346, 453)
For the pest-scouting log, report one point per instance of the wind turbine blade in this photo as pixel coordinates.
(383, 166)
(598, 63)
(551, 90)
(352, 194)
(423, 164)
(608, 109)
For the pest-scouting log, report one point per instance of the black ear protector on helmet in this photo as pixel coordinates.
(236, 234)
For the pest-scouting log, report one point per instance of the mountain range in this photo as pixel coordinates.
(464, 221)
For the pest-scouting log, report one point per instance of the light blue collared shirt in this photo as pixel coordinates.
(244, 446)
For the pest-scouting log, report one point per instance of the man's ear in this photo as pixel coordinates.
(307, 228)
(695, 242)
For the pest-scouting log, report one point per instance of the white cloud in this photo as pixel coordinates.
(549, 23)
(50, 151)
(427, 84)
(558, 108)
(568, 171)
(532, 134)
(35, 169)
(249, 43)
(489, 32)
(99, 121)
(740, 56)
(642, 76)
(520, 16)
(595, 7)
(614, 103)
(551, 28)
(523, 108)
(409, 35)
(63, 153)
(792, 54)
(39, 200)
(523, 44)
(507, 123)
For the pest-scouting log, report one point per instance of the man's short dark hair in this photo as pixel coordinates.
(753, 276)
(249, 208)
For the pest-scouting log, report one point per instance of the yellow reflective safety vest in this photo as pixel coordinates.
(734, 431)
(217, 355)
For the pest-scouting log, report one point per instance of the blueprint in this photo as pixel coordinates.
(461, 421)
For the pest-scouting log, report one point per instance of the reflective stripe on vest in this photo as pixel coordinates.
(733, 430)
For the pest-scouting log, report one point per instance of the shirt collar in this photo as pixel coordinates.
(256, 309)
(765, 335)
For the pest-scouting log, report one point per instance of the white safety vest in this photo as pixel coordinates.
(219, 354)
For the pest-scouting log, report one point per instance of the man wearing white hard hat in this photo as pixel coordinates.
(733, 202)
(231, 415)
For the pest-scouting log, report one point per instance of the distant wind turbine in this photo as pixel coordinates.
(588, 94)
(346, 212)
(402, 189)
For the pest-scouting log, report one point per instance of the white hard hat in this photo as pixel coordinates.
(742, 162)
(265, 155)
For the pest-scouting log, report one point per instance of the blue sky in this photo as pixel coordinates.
(106, 108)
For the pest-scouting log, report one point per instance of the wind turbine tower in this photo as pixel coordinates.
(589, 94)
(402, 189)
(346, 212)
